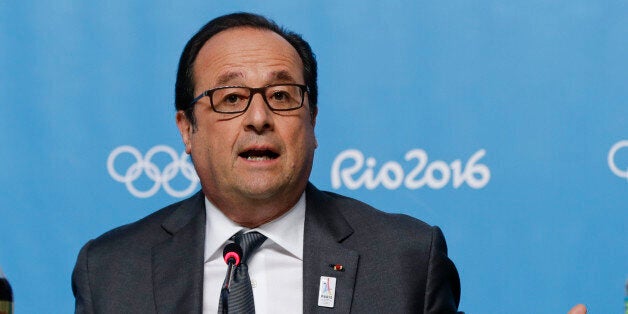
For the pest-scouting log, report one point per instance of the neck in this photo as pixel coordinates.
(253, 222)
(253, 213)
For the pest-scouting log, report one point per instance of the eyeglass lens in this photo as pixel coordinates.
(236, 99)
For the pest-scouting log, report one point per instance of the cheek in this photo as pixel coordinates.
(203, 143)
(304, 143)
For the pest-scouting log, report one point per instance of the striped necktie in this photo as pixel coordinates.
(241, 293)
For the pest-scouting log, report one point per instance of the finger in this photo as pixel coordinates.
(578, 309)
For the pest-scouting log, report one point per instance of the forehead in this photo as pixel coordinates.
(247, 55)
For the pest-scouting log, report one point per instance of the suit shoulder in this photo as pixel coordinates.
(136, 234)
(362, 214)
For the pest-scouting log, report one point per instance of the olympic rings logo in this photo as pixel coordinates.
(144, 164)
(611, 159)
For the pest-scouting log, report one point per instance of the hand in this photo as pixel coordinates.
(578, 309)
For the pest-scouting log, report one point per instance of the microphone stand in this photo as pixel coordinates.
(231, 253)
(224, 292)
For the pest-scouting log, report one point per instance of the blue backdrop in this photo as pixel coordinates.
(503, 122)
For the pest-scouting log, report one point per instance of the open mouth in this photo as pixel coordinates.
(258, 154)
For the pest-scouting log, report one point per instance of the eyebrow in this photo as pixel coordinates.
(226, 78)
(282, 76)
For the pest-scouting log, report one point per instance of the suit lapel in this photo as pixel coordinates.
(325, 229)
(178, 262)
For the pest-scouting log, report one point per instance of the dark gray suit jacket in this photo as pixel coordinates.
(392, 263)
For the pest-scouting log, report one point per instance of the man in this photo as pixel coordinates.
(246, 98)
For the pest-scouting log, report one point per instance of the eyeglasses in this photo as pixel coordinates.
(236, 99)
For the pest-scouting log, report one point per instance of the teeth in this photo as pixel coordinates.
(259, 155)
(257, 158)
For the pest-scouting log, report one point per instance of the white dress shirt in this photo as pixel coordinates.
(275, 268)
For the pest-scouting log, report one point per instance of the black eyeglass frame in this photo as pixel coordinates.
(252, 92)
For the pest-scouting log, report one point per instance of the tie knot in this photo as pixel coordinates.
(249, 242)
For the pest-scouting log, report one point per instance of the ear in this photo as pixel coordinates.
(185, 128)
(313, 116)
(313, 121)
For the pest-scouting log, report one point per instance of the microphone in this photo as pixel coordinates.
(232, 253)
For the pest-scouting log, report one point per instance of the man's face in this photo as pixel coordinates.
(257, 157)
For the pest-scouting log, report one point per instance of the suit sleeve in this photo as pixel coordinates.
(80, 283)
(442, 291)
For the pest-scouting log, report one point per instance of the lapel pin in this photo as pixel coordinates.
(337, 267)
(327, 291)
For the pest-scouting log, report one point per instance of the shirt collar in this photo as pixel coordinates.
(286, 230)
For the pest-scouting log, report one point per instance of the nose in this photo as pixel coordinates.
(258, 117)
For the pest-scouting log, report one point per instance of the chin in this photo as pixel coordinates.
(262, 190)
